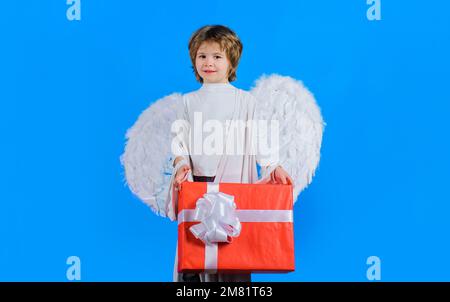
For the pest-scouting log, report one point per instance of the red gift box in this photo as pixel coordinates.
(266, 239)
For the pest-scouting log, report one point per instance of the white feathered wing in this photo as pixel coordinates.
(147, 159)
(301, 125)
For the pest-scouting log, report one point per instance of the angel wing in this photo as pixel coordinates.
(301, 125)
(147, 158)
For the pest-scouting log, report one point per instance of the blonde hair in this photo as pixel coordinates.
(226, 38)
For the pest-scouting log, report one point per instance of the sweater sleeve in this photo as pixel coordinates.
(180, 132)
(179, 147)
(267, 150)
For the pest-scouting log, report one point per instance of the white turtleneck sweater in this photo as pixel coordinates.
(215, 101)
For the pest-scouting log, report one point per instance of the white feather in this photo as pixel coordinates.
(301, 125)
(147, 158)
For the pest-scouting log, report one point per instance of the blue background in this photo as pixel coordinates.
(71, 89)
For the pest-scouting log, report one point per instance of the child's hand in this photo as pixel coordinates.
(280, 176)
(181, 176)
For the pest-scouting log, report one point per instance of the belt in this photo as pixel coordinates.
(204, 178)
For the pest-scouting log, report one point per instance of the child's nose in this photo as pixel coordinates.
(209, 61)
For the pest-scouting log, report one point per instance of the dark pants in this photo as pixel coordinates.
(204, 178)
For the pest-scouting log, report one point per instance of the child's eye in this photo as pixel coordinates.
(218, 57)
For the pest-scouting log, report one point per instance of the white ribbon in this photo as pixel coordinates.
(219, 221)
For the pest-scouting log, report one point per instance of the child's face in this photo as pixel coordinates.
(212, 63)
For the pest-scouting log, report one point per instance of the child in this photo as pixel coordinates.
(215, 52)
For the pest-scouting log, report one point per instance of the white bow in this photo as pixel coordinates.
(216, 212)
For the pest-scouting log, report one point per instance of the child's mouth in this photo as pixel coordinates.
(209, 71)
